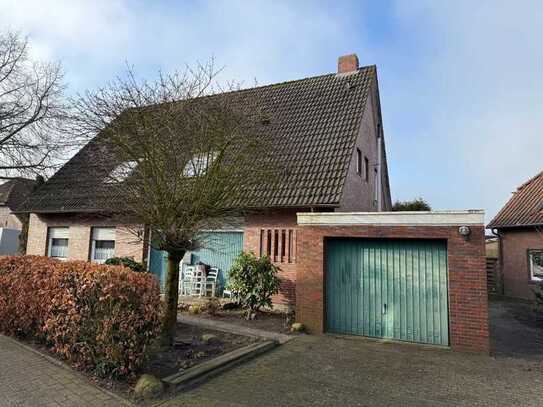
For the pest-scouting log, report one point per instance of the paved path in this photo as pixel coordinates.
(29, 379)
(346, 371)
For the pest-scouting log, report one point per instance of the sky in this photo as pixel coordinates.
(460, 81)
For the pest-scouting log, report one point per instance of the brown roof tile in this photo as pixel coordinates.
(525, 208)
(315, 125)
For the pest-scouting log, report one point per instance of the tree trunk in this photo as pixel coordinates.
(172, 297)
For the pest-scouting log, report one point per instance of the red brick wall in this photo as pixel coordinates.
(468, 307)
(516, 274)
(251, 242)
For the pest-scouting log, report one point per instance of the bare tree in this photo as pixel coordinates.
(189, 157)
(31, 110)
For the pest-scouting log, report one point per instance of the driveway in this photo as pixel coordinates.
(349, 371)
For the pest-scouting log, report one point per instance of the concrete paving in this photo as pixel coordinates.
(345, 371)
(28, 379)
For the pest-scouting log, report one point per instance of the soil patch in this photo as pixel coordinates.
(191, 350)
(267, 321)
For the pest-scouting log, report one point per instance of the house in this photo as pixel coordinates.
(519, 225)
(12, 193)
(329, 132)
(347, 264)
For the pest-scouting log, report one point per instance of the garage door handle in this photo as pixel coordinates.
(384, 309)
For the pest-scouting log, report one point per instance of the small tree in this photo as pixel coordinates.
(417, 204)
(189, 157)
(253, 281)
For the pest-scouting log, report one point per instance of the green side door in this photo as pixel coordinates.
(217, 249)
(388, 288)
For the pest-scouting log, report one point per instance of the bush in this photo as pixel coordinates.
(418, 204)
(126, 262)
(253, 281)
(100, 318)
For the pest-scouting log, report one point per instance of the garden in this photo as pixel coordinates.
(105, 320)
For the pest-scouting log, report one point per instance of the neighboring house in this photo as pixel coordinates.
(12, 193)
(329, 135)
(519, 226)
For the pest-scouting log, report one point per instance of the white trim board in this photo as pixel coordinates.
(433, 218)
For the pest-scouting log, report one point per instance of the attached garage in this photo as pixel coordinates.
(416, 276)
(388, 288)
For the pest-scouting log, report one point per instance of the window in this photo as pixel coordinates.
(358, 161)
(57, 242)
(366, 169)
(121, 172)
(199, 164)
(535, 263)
(103, 244)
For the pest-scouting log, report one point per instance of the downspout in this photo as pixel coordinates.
(379, 165)
(500, 257)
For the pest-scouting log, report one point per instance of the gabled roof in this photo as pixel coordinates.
(315, 122)
(15, 191)
(525, 208)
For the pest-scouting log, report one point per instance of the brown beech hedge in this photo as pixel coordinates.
(100, 318)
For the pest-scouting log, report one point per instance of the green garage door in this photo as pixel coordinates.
(388, 289)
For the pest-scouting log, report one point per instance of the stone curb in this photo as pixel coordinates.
(64, 366)
(204, 371)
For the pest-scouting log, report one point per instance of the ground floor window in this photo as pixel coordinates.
(103, 244)
(57, 244)
(535, 261)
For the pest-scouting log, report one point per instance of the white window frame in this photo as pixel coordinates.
(102, 234)
(121, 172)
(531, 265)
(199, 164)
(57, 232)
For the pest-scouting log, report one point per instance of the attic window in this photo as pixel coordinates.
(199, 164)
(121, 172)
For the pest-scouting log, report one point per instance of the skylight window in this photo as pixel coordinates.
(199, 164)
(121, 172)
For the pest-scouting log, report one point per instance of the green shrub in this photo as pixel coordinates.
(101, 318)
(253, 281)
(126, 262)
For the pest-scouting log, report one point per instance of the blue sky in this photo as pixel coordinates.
(460, 81)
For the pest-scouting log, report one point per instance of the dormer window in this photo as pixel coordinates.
(121, 172)
(199, 164)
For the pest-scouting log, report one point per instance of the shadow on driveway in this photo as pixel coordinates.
(515, 329)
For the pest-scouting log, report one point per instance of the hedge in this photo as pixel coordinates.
(100, 318)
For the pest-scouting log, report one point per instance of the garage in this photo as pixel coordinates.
(407, 276)
(388, 288)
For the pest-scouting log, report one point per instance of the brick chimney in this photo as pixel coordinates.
(347, 63)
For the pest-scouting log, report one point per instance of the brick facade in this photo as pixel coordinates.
(8, 219)
(283, 220)
(79, 235)
(468, 308)
(514, 255)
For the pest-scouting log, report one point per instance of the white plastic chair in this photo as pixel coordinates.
(198, 281)
(211, 281)
(187, 281)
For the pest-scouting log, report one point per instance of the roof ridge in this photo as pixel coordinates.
(525, 184)
(288, 82)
